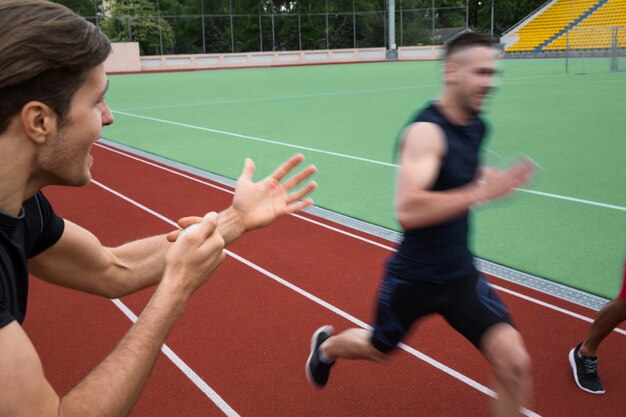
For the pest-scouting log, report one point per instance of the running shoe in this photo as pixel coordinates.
(585, 371)
(317, 370)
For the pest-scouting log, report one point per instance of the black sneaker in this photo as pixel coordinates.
(317, 371)
(585, 371)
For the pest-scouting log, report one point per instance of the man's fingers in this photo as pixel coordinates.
(248, 169)
(173, 235)
(524, 165)
(286, 168)
(208, 224)
(187, 221)
(303, 192)
(301, 176)
(183, 223)
(299, 205)
(523, 170)
(202, 229)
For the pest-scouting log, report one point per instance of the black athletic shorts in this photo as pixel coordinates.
(470, 305)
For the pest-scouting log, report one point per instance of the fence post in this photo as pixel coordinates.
(613, 66)
(567, 51)
(392, 51)
(203, 29)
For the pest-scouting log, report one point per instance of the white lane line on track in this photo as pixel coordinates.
(356, 158)
(319, 301)
(171, 355)
(552, 307)
(354, 236)
(208, 184)
(180, 364)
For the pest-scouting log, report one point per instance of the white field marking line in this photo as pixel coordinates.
(340, 155)
(252, 100)
(366, 240)
(506, 290)
(208, 184)
(576, 200)
(562, 197)
(552, 307)
(172, 356)
(273, 142)
(319, 301)
(329, 94)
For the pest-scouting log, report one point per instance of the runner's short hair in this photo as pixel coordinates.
(467, 40)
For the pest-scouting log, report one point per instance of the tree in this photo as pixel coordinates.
(506, 13)
(219, 26)
(138, 21)
(86, 8)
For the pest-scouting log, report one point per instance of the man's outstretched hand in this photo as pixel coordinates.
(259, 204)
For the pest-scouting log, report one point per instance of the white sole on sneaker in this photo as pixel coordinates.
(572, 362)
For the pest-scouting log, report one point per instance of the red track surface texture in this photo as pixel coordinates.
(246, 335)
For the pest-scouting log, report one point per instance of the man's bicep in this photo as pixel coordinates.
(422, 149)
(25, 390)
(77, 255)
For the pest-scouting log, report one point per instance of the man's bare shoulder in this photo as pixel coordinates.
(422, 138)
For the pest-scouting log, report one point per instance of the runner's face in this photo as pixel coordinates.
(475, 68)
(65, 158)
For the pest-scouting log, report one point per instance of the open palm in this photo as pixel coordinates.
(259, 204)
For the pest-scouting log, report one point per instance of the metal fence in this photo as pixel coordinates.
(595, 42)
(325, 26)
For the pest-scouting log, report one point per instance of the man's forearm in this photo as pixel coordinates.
(113, 387)
(139, 264)
(429, 208)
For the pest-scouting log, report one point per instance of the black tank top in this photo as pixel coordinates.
(440, 253)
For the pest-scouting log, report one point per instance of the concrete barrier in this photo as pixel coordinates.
(125, 58)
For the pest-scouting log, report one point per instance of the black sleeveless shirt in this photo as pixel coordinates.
(440, 253)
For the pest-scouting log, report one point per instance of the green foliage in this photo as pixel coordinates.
(506, 13)
(218, 26)
(83, 7)
(138, 21)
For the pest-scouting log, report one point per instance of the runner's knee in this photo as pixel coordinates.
(513, 369)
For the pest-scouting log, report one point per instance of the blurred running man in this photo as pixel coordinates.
(439, 181)
(583, 358)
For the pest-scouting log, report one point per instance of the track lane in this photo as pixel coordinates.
(229, 325)
(341, 258)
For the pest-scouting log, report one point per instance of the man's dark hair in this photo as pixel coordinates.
(466, 40)
(46, 51)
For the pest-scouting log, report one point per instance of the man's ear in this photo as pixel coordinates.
(38, 120)
(450, 71)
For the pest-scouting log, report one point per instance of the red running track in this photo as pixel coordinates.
(245, 335)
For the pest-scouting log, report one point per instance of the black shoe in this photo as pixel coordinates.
(317, 371)
(585, 371)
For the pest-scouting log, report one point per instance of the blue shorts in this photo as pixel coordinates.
(469, 305)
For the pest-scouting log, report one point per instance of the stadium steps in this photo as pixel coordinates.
(571, 25)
